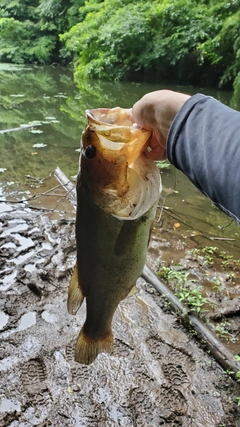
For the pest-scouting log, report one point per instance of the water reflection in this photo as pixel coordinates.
(49, 95)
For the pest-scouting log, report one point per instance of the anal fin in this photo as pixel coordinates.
(87, 348)
(75, 296)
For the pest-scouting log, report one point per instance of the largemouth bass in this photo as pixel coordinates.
(117, 194)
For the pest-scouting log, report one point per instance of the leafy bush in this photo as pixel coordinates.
(184, 41)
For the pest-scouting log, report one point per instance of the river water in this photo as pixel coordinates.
(50, 98)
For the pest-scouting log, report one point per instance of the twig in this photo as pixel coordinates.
(223, 238)
(17, 129)
(66, 184)
(161, 209)
(36, 196)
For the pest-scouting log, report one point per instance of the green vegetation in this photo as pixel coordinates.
(185, 41)
(222, 331)
(163, 164)
(209, 254)
(29, 29)
(217, 283)
(183, 287)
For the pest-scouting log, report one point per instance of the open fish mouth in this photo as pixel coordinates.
(123, 181)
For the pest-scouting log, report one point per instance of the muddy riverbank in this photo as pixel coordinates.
(157, 375)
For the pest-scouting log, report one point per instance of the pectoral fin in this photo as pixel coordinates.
(75, 296)
(87, 348)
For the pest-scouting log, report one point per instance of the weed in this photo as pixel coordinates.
(208, 259)
(183, 289)
(162, 164)
(222, 332)
(217, 283)
(226, 262)
(191, 296)
(170, 274)
(195, 252)
(205, 254)
(210, 250)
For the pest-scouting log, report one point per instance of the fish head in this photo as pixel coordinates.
(110, 146)
(110, 143)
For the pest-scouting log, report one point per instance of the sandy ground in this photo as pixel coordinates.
(157, 375)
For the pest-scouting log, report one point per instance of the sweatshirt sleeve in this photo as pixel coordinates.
(204, 143)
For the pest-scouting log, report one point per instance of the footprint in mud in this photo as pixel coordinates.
(172, 402)
(78, 372)
(180, 357)
(175, 374)
(42, 399)
(121, 349)
(155, 345)
(167, 409)
(70, 351)
(34, 374)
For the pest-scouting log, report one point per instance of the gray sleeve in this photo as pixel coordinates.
(204, 143)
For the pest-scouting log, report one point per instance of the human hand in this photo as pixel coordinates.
(155, 111)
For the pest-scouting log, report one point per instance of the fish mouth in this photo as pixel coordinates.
(118, 132)
(134, 183)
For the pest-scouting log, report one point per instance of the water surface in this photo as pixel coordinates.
(49, 98)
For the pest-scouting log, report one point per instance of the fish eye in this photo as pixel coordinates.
(90, 152)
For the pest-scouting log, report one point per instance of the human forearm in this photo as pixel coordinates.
(204, 143)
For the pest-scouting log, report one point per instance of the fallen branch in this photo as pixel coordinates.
(66, 184)
(225, 239)
(221, 353)
(17, 129)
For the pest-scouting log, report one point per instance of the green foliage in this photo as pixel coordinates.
(222, 331)
(178, 279)
(156, 41)
(235, 101)
(163, 164)
(18, 45)
(223, 50)
(29, 29)
(184, 41)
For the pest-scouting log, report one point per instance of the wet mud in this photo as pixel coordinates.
(157, 375)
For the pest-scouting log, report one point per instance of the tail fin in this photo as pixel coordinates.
(75, 296)
(87, 348)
